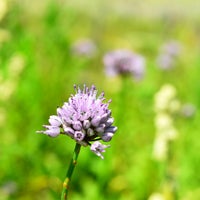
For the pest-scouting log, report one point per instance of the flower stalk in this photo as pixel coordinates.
(86, 119)
(70, 172)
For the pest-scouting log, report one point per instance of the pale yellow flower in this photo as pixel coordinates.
(3, 8)
(157, 196)
(6, 89)
(160, 148)
(163, 121)
(170, 134)
(16, 65)
(164, 97)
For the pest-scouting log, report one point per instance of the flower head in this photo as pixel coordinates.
(165, 99)
(168, 55)
(165, 61)
(124, 62)
(157, 196)
(172, 48)
(188, 110)
(84, 47)
(85, 118)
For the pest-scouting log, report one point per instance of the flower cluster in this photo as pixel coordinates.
(84, 47)
(124, 62)
(169, 52)
(165, 105)
(157, 196)
(85, 118)
(188, 110)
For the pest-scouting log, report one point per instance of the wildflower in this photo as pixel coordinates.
(160, 148)
(124, 62)
(165, 61)
(172, 48)
(169, 52)
(157, 196)
(165, 99)
(3, 8)
(188, 110)
(85, 118)
(165, 104)
(163, 121)
(84, 47)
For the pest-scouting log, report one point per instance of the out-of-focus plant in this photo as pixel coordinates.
(188, 110)
(124, 62)
(84, 47)
(3, 8)
(169, 52)
(166, 105)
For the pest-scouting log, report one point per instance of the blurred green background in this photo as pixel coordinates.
(37, 74)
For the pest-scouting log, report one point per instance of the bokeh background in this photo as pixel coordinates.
(39, 65)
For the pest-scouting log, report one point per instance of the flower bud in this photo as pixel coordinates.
(79, 136)
(107, 137)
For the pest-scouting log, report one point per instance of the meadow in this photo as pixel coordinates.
(39, 65)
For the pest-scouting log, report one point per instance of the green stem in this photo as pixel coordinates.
(70, 171)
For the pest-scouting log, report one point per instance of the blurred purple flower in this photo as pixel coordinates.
(85, 118)
(188, 110)
(84, 47)
(124, 62)
(168, 55)
(165, 61)
(172, 48)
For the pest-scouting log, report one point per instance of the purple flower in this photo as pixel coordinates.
(169, 52)
(172, 48)
(165, 61)
(84, 47)
(124, 62)
(188, 110)
(85, 118)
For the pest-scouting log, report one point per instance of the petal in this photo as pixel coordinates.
(86, 124)
(98, 148)
(95, 121)
(55, 120)
(112, 129)
(77, 125)
(52, 131)
(107, 136)
(68, 130)
(109, 121)
(105, 117)
(79, 136)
